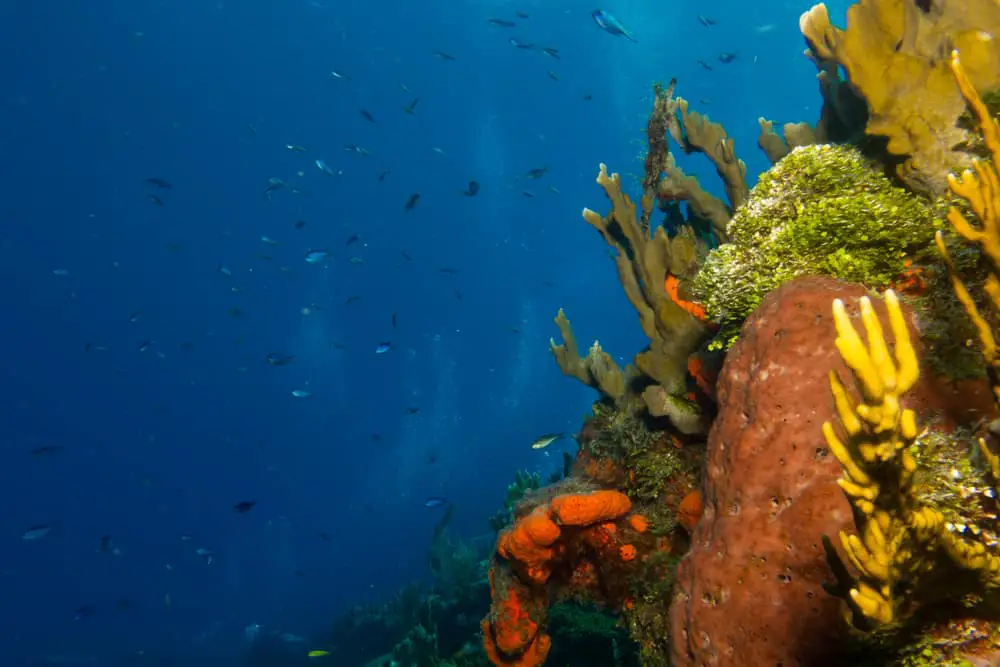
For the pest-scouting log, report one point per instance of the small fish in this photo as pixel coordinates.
(46, 450)
(444, 56)
(299, 224)
(295, 149)
(412, 106)
(277, 359)
(528, 193)
(159, 183)
(84, 612)
(357, 261)
(62, 273)
(235, 312)
(225, 270)
(145, 345)
(353, 148)
(544, 441)
(316, 256)
(36, 532)
(705, 65)
(726, 58)
(274, 183)
(268, 240)
(104, 546)
(334, 74)
(448, 271)
(244, 506)
(706, 21)
(155, 200)
(439, 151)
(318, 654)
(588, 97)
(522, 15)
(501, 23)
(549, 51)
(520, 45)
(382, 175)
(394, 320)
(472, 190)
(207, 554)
(435, 501)
(322, 166)
(354, 298)
(411, 203)
(367, 115)
(352, 239)
(536, 173)
(413, 410)
(611, 25)
(301, 393)
(383, 347)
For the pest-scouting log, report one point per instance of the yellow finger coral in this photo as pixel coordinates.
(980, 187)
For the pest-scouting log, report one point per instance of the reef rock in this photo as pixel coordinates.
(750, 590)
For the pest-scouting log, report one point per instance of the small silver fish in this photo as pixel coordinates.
(36, 532)
(315, 256)
(544, 441)
(301, 393)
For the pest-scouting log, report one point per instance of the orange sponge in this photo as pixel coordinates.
(583, 509)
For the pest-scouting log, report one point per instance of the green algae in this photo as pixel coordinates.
(822, 210)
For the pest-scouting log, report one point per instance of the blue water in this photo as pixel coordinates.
(159, 444)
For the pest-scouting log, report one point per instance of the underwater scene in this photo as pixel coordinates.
(500, 333)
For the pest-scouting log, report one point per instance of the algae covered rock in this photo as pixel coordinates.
(822, 210)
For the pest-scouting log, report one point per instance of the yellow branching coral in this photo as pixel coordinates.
(911, 549)
(877, 466)
(980, 187)
(892, 52)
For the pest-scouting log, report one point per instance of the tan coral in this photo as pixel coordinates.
(893, 53)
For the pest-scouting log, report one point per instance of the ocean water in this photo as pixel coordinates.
(139, 401)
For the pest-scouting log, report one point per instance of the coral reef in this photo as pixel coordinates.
(895, 55)
(732, 533)
(823, 210)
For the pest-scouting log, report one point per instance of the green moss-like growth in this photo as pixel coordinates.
(822, 210)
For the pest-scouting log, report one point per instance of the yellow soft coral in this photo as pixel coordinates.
(980, 187)
(878, 468)
(892, 53)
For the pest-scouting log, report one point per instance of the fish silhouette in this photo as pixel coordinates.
(611, 25)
